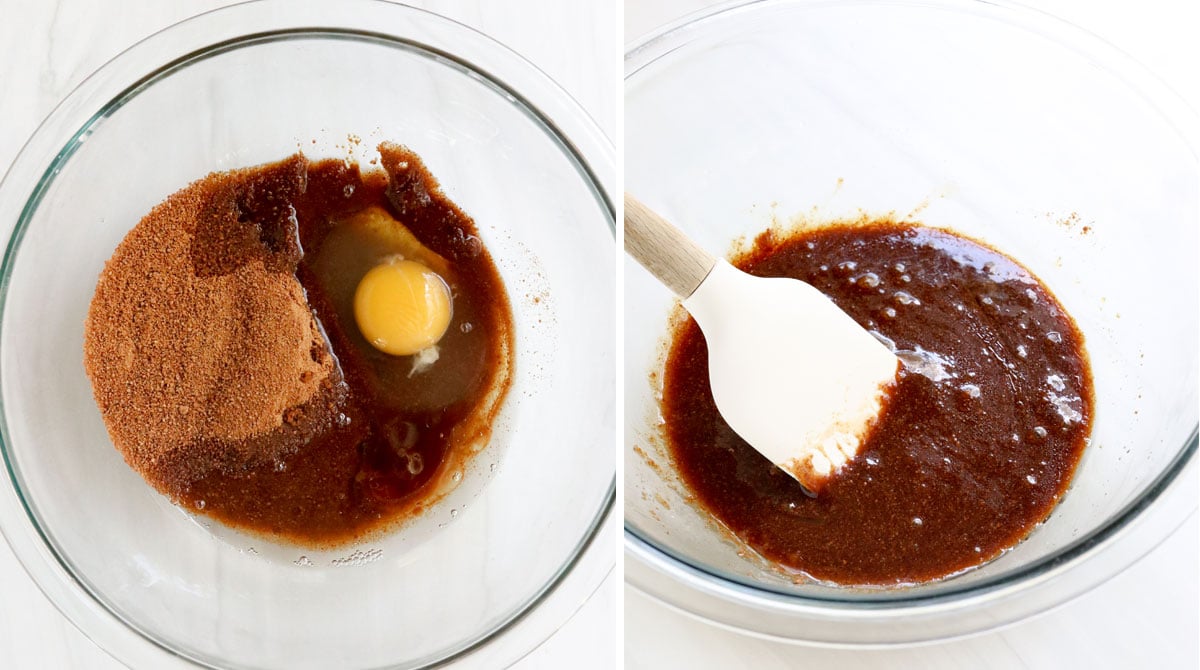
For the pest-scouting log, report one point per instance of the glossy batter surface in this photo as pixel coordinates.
(976, 444)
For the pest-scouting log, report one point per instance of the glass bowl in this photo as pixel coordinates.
(252, 83)
(982, 117)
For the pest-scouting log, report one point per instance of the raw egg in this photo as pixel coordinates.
(402, 307)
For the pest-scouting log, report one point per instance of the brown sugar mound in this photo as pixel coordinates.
(199, 342)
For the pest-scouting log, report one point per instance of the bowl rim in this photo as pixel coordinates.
(542, 101)
(739, 604)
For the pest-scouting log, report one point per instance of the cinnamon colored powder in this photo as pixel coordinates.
(201, 347)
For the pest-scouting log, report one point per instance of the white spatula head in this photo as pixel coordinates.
(791, 373)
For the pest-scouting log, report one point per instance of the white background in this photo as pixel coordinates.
(48, 46)
(1145, 618)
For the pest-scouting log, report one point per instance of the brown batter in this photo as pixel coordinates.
(226, 361)
(977, 443)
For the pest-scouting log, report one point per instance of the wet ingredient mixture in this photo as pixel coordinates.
(978, 441)
(226, 351)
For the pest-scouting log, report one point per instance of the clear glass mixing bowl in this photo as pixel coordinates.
(983, 117)
(239, 86)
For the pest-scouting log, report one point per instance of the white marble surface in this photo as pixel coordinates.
(1147, 617)
(47, 48)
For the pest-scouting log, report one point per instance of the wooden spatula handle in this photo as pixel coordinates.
(678, 262)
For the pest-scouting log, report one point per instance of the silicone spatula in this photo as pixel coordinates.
(791, 373)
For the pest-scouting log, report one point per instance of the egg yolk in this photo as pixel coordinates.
(402, 307)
